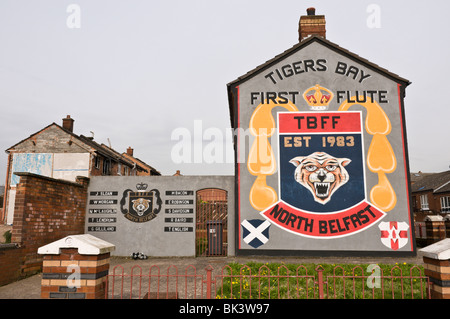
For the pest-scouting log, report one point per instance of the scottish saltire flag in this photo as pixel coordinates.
(255, 232)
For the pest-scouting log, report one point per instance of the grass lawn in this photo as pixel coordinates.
(340, 281)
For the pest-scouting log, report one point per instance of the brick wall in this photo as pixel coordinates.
(11, 259)
(434, 204)
(46, 210)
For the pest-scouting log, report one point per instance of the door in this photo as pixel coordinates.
(211, 222)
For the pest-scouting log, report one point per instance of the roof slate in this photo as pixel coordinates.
(94, 146)
(438, 182)
(329, 44)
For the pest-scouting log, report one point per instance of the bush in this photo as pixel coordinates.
(7, 236)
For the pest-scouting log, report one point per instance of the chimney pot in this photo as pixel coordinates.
(311, 11)
(67, 123)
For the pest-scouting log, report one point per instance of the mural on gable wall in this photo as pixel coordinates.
(37, 163)
(326, 166)
(57, 165)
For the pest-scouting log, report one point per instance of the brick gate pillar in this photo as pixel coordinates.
(435, 228)
(75, 267)
(447, 225)
(436, 259)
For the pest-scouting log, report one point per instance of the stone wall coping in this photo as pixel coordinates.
(51, 179)
(439, 250)
(85, 243)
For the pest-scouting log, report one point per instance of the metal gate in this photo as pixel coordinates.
(211, 222)
(268, 282)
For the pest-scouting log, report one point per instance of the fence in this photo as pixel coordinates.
(248, 282)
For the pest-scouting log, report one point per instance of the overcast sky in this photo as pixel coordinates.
(132, 72)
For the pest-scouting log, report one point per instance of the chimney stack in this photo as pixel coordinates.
(311, 25)
(67, 123)
(130, 151)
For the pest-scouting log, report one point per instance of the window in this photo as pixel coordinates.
(97, 162)
(445, 204)
(424, 202)
(106, 166)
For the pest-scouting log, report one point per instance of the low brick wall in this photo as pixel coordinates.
(11, 259)
(46, 209)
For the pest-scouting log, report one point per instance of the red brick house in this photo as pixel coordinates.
(56, 151)
(431, 195)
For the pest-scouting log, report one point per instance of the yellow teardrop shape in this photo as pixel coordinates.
(380, 157)
(261, 195)
(377, 121)
(262, 121)
(261, 159)
(383, 195)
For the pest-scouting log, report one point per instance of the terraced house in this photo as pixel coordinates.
(56, 151)
(431, 195)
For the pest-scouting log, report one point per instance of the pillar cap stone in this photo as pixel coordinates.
(439, 250)
(434, 218)
(85, 243)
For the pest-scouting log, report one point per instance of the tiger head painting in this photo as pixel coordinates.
(141, 205)
(321, 173)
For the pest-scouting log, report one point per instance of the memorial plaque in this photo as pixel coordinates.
(179, 193)
(179, 220)
(101, 228)
(179, 210)
(179, 201)
(178, 229)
